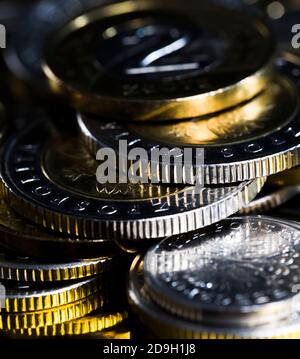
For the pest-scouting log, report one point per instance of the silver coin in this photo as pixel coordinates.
(165, 325)
(51, 180)
(257, 139)
(242, 271)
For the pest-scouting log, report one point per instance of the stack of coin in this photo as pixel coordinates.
(199, 75)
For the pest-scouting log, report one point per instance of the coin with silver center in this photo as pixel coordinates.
(243, 271)
(257, 139)
(177, 61)
(164, 324)
(51, 180)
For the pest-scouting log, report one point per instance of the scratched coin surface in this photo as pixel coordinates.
(243, 271)
(256, 139)
(177, 62)
(51, 180)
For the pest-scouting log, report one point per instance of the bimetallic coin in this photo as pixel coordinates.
(177, 61)
(164, 324)
(256, 139)
(241, 272)
(25, 269)
(95, 323)
(22, 297)
(52, 181)
(53, 316)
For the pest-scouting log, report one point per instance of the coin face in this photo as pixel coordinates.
(238, 143)
(62, 195)
(176, 62)
(242, 272)
(164, 324)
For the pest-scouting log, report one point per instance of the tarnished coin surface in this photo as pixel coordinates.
(177, 61)
(243, 271)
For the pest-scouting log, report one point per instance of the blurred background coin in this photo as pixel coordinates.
(177, 61)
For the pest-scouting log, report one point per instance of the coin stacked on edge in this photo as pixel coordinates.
(82, 76)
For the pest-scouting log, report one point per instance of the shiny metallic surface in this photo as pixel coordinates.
(241, 271)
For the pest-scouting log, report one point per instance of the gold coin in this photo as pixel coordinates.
(95, 323)
(177, 62)
(53, 316)
(256, 118)
(23, 298)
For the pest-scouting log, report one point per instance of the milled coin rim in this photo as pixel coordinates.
(53, 316)
(166, 325)
(90, 324)
(157, 225)
(266, 155)
(246, 316)
(31, 270)
(35, 299)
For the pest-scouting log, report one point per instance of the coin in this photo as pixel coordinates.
(53, 316)
(51, 180)
(255, 140)
(22, 297)
(267, 202)
(177, 62)
(165, 325)
(279, 189)
(25, 269)
(241, 272)
(96, 323)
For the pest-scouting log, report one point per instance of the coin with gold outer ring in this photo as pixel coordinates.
(53, 316)
(165, 325)
(177, 62)
(54, 184)
(24, 298)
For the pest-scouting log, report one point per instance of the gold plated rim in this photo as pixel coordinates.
(34, 300)
(39, 319)
(90, 324)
